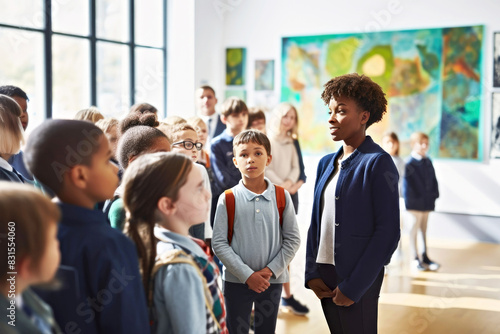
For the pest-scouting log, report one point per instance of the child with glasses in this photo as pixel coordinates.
(185, 141)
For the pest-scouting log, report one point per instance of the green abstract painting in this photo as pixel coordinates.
(432, 79)
(235, 66)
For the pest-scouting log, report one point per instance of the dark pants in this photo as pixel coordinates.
(295, 201)
(239, 300)
(360, 317)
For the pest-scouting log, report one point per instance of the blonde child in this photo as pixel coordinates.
(420, 191)
(110, 128)
(12, 135)
(29, 255)
(284, 170)
(185, 141)
(287, 170)
(91, 114)
(264, 238)
(166, 190)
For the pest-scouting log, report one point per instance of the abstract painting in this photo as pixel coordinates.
(235, 66)
(432, 79)
(264, 74)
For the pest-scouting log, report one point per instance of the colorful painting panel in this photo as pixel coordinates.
(431, 77)
(235, 66)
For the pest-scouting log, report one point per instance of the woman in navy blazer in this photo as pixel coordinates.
(355, 220)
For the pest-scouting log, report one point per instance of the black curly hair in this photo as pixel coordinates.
(367, 94)
(136, 119)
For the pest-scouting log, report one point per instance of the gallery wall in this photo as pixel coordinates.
(470, 188)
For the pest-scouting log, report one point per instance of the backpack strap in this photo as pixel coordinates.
(280, 201)
(230, 207)
(180, 256)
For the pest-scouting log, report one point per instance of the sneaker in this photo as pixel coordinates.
(420, 265)
(433, 266)
(294, 306)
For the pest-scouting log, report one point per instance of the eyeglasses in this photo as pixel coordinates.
(188, 145)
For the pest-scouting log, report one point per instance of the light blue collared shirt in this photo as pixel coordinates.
(258, 240)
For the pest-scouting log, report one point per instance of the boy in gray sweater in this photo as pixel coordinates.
(259, 243)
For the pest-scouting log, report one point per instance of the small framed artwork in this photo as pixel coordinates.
(496, 60)
(235, 66)
(264, 75)
(495, 126)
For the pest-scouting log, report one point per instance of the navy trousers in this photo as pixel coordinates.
(239, 300)
(360, 317)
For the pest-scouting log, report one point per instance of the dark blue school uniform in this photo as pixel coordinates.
(17, 161)
(102, 291)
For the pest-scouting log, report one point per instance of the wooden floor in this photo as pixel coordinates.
(462, 297)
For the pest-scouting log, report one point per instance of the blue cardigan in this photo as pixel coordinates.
(366, 217)
(420, 186)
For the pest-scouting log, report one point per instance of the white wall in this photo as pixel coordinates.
(180, 57)
(259, 25)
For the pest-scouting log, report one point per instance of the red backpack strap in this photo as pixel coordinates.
(230, 214)
(280, 201)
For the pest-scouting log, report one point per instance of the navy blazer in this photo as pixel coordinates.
(366, 217)
(101, 287)
(420, 186)
(219, 127)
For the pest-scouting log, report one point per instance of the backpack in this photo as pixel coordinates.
(180, 256)
(230, 207)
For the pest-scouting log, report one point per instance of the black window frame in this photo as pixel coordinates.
(48, 33)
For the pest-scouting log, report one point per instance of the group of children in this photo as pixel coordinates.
(149, 259)
(145, 261)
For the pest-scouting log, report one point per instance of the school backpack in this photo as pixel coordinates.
(230, 207)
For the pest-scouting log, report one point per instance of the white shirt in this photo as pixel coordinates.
(326, 249)
(5, 165)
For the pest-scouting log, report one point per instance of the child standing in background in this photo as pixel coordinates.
(257, 119)
(284, 170)
(166, 190)
(12, 135)
(202, 131)
(254, 274)
(235, 117)
(18, 95)
(287, 169)
(137, 141)
(99, 270)
(33, 235)
(420, 191)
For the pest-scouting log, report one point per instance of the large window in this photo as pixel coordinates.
(70, 54)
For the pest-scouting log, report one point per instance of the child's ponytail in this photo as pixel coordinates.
(147, 179)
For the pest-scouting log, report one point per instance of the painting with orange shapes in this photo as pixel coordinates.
(432, 79)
